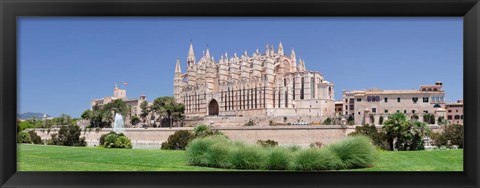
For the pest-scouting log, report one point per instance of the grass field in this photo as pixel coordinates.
(61, 158)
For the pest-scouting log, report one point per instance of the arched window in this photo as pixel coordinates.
(457, 117)
(248, 99)
(279, 93)
(302, 88)
(424, 89)
(293, 88)
(226, 101)
(251, 98)
(330, 91)
(274, 92)
(436, 106)
(256, 93)
(435, 89)
(312, 88)
(429, 89)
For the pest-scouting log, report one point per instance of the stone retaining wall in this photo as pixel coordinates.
(284, 135)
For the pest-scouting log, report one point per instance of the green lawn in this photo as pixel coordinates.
(60, 158)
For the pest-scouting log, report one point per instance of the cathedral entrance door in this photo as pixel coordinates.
(213, 108)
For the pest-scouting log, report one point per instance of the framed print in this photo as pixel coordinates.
(229, 93)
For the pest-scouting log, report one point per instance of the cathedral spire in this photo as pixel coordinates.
(191, 55)
(292, 54)
(207, 54)
(178, 69)
(280, 49)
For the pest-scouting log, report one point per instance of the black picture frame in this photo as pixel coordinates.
(11, 9)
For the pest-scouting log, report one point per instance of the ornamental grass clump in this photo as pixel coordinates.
(278, 158)
(355, 152)
(247, 157)
(208, 151)
(317, 159)
(218, 151)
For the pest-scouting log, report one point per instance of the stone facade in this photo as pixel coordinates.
(362, 104)
(455, 112)
(121, 94)
(265, 84)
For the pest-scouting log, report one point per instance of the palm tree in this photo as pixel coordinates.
(393, 128)
(167, 107)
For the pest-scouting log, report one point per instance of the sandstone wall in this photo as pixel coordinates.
(284, 135)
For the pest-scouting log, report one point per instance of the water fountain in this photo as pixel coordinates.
(118, 124)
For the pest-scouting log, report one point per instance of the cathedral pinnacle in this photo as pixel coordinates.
(191, 55)
(280, 49)
(292, 54)
(207, 54)
(177, 66)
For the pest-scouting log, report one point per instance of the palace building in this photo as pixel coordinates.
(120, 94)
(268, 84)
(369, 106)
(455, 112)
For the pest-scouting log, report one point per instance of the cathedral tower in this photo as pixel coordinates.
(177, 81)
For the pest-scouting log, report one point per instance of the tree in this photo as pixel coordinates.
(145, 111)
(69, 135)
(378, 137)
(104, 116)
(87, 114)
(403, 134)
(327, 121)
(166, 106)
(429, 118)
(134, 120)
(393, 128)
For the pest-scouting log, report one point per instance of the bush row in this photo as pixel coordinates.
(220, 152)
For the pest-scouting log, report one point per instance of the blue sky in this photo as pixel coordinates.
(63, 63)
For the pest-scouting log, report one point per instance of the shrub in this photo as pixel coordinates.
(22, 125)
(317, 159)
(102, 138)
(178, 140)
(135, 120)
(454, 133)
(247, 157)
(204, 131)
(278, 159)
(116, 141)
(123, 142)
(54, 140)
(355, 152)
(35, 138)
(200, 151)
(23, 137)
(249, 123)
(378, 137)
(69, 135)
(327, 121)
(267, 143)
